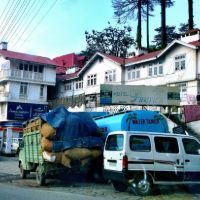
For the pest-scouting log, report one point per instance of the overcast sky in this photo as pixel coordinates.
(60, 25)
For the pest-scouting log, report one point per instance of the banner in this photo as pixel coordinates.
(192, 113)
(24, 111)
(139, 95)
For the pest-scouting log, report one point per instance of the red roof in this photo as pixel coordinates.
(195, 43)
(142, 57)
(115, 59)
(69, 60)
(26, 57)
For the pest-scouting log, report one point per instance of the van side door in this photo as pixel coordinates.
(168, 159)
(191, 159)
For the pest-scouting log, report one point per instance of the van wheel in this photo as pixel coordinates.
(23, 172)
(143, 186)
(119, 186)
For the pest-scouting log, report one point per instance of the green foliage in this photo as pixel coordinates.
(111, 40)
(171, 35)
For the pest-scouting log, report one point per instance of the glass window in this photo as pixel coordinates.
(41, 67)
(150, 71)
(140, 143)
(91, 79)
(41, 90)
(115, 142)
(180, 62)
(191, 146)
(160, 69)
(23, 88)
(166, 145)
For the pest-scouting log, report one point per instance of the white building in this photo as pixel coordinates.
(24, 83)
(176, 65)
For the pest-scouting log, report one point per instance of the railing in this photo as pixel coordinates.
(20, 74)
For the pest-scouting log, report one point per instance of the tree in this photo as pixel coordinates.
(164, 4)
(111, 40)
(183, 28)
(171, 35)
(125, 9)
(190, 15)
(149, 8)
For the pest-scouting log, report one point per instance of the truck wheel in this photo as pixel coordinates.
(143, 186)
(40, 178)
(23, 172)
(119, 186)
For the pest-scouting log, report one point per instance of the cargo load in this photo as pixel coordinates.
(59, 139)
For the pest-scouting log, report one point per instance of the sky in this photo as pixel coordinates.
(59, 26)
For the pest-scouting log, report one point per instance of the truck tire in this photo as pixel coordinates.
(119, 186)
(23, 172)
(142, 186)
(40, 177)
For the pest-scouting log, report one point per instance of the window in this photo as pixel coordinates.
(140, 143)
(68, 86)
(133, 74)
(155, 69)
(191, 146)
(79, 84)
(166, 145)
(180, 62)
(150, 71)
(110, 76)
(41, 90)
(23, 89)
(91, 80)
(115, 142)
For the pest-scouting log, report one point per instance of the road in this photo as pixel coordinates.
(12, 187)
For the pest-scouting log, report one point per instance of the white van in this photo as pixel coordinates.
(141, 159)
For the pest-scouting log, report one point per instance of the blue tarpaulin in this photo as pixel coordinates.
(72, 129)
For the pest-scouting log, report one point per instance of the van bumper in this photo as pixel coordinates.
(116, 175)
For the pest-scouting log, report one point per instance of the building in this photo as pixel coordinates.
(176, 65)
(25, 81)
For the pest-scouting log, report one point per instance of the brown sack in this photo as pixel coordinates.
(46, 144)
(78, 153)
(47, 131)
(58, 157)
(95, 153)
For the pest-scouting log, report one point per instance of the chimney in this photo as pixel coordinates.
(3, 46)
(191, 36)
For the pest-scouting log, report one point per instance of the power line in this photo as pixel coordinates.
(15, 18)
(9, 16)
(40, 21)
(6, 11)
(27, 16)
(28, 25)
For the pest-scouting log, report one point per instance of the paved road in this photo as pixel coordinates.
(12, 187)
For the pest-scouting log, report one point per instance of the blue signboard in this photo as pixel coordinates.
(24, 111)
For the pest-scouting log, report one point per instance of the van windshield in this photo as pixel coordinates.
(115, 142)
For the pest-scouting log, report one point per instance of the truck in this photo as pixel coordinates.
(136, 120)
(76, 139)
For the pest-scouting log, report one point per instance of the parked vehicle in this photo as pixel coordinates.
(74, 142)
(9, 141)
(143, 159)
(137, 120)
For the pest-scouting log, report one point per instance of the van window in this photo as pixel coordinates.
(191, 146)
(140, 143)
(115, 142)
(166, 145)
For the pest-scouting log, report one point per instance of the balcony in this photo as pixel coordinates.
(4, 96)
(15, 74)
